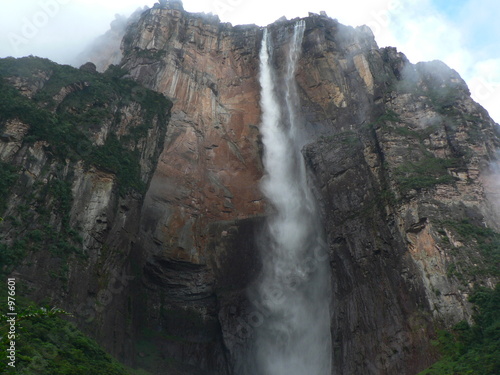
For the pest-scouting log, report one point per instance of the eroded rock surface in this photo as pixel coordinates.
(401, 159)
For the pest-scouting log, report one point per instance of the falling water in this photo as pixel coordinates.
(294, 337)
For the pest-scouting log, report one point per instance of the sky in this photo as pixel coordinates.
(463, 33)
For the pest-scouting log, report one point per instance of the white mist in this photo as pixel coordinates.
(294, 288)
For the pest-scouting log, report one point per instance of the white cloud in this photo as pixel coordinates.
(463, 42)
(263, 12)
(484, 84)
(467, 42)
(57, 29)
(418, 28)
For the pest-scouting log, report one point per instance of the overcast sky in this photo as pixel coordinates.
(465, 34)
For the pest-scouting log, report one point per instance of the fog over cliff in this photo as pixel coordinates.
(463, 34)
(227, 188)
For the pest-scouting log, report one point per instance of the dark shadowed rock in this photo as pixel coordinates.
(89, 67)
(402, 160)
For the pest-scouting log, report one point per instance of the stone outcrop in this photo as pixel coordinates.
(401, 158)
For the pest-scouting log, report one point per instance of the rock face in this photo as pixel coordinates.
(403, 164)
(205, 188)
(77, 149)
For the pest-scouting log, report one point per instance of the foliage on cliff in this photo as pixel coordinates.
(90, 101)
(33, 230)
(472, 349)
(46, 344)
(65, 108)
(479, 240)
(8, 176)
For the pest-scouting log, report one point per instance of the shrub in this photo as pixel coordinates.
(424, 173)
(49, 345)
(472, 349)
(8, 177)
(485, 240)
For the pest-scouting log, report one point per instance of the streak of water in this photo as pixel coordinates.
(294, 338)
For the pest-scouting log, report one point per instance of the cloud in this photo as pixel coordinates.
(264, 12)
(57, 29)
(484, 83)
(481, 30)
(462, 34)
(466, 40)
(465, 35)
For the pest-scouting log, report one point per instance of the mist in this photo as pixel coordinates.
(294, 283)
(464, 34)
(58, 29)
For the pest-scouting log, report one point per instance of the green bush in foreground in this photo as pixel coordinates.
(472, 349)
(49, 345)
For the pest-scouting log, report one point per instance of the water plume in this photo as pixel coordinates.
(294, 337)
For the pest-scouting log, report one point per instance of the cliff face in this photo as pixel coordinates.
(402, 167)
(203, 195)
(401, 158)
(78, 150)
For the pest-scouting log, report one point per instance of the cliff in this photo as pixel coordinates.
(77, 153)
(402, 159)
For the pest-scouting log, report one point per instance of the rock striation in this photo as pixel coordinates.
(403, 161)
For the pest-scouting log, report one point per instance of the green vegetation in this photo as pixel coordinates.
(472, 349)
(485, 240)
(443, 97)
(420, 134)
(45, 237)
(8, 177)
(33, 230)
(96, 90)
(62, 136)
(115, 158)
(434, 81)
(48, 345)
(390, 118)
(349, 139)
(92, 100)
(425, 173)
(12, 254)
(62, 195)
(68, 124)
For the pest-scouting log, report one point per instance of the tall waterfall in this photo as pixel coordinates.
(294, 337)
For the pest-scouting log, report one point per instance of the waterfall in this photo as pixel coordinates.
(294, 288)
